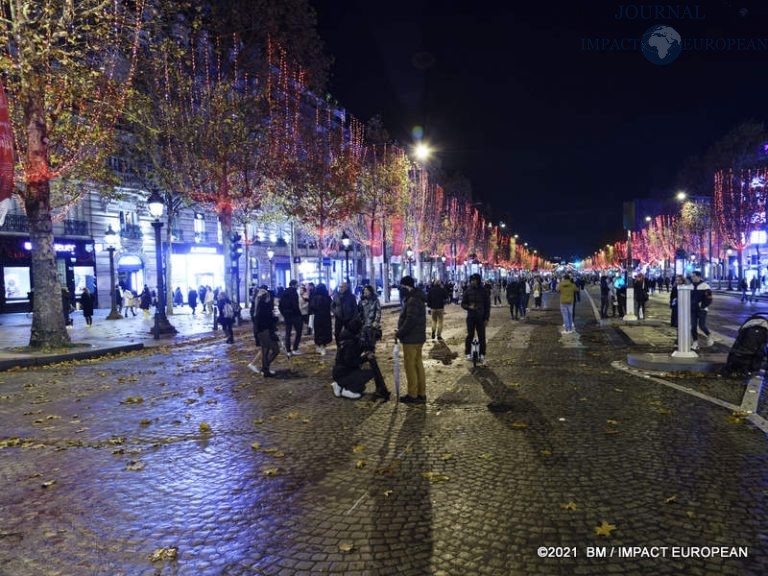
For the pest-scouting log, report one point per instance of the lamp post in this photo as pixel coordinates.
(112, 240)
(445, 272)
(270, 255)
(409, 255)
(346, 242)
(156, 207)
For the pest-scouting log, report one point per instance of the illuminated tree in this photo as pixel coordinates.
(67, 68)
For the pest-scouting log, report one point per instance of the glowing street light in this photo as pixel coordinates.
(422, 151)
(681, 196)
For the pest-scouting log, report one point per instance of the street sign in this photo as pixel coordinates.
(326, 261)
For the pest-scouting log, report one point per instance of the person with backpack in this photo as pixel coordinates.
(291, 310)
(226, 315)
(436, 297)
(265, 330)
(701, 298)
(477, 302)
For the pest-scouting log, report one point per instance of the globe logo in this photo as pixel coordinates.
(661, 45)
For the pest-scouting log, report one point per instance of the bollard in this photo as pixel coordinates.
(684, 323)
(629, 313)
(215, 318)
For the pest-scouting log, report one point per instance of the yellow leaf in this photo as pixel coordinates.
(519, 425)
(357, 448)
(360, 464)
(569, 506)
(671, 499)
(205, 428)
(446, 457)
(269, 471)
(546, 452)
(164, 554)
(346, 547)
(611, 431)
(433, 477)
(486, 456)
(293, 415)
(133, 400)
(612, 422)
(664, 411)
(387, 493)
(256, 446)
(48, 484)
(604, 529)
(690, 514)
(258, 422)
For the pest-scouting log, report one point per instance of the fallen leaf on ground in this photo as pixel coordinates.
(145, 422)
(569, 506)
(604, 529)
(134, 466)
(446, 457)
(360, 464)
(433, 477)
(346, 547)
(387, 493)
(519, 425)
(613, 422)
(546, 452)
(357, 448)
(256, 446)
(293, 415)
(164, 554)
(205, 428)
(258, 422)
(132, 400)
(671, 499)
(486, 456)
(269, 471)
(48, 484)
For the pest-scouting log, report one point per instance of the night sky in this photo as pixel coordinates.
(553, 136)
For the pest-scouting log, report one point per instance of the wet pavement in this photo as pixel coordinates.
(529, 465)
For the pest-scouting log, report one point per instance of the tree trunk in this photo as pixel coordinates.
(225, 217)
(384, 261)
(740, 252)
(48, 325)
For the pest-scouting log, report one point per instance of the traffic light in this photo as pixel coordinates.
(235, 248)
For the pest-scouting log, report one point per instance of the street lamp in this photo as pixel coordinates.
(409, 255)
(270, 255)
(346, 242)
(156, 207)
(112, 240)
(422, 151)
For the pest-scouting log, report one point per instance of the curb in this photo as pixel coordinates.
(42, 360)
(658, 362)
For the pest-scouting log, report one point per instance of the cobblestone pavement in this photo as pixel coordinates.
(105, 462)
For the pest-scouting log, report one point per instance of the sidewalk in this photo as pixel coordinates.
(104, 337)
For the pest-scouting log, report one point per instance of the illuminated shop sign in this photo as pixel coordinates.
(203, 250)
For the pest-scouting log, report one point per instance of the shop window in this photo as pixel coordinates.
(17, 282)
(199, 224)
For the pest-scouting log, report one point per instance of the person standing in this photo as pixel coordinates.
(412, 333)
(226, 315)
(701, 298)
(320, 308)
(436, 298)
(369, 311)
(86, 305)
(311, 322)
(495, 293)
(208, 302)
(119, 298)
(304, 307)
(265, 329)
(145, 300)
(349, 378)
(753, 288)
(477, 303)
(178, 299)
(290, 309)
(537, 290)
(640, 288)
(567, 290)
(523, 295)
(192, 299)
(605, 296)
(513, 294)
(344, 308)
(743, 287)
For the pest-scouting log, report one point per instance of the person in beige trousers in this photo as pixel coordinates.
(412, 333)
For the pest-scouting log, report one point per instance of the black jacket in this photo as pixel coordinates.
(289, 303)
(412, 324)
(436, 297)
(477, 296)
(349, 355)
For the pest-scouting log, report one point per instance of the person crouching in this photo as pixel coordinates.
(349, 378)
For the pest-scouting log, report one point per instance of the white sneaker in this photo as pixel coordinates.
(254, 368)
(695, 345)
(336, 389)
(482, 360)
(469, 357)
(321, 350)
(351, 395)
(297, 352)
(710, 341)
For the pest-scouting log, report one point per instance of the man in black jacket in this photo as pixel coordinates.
(289, 308)
(436, 298)
(344, 309)
(412, 333)
(477, 303)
